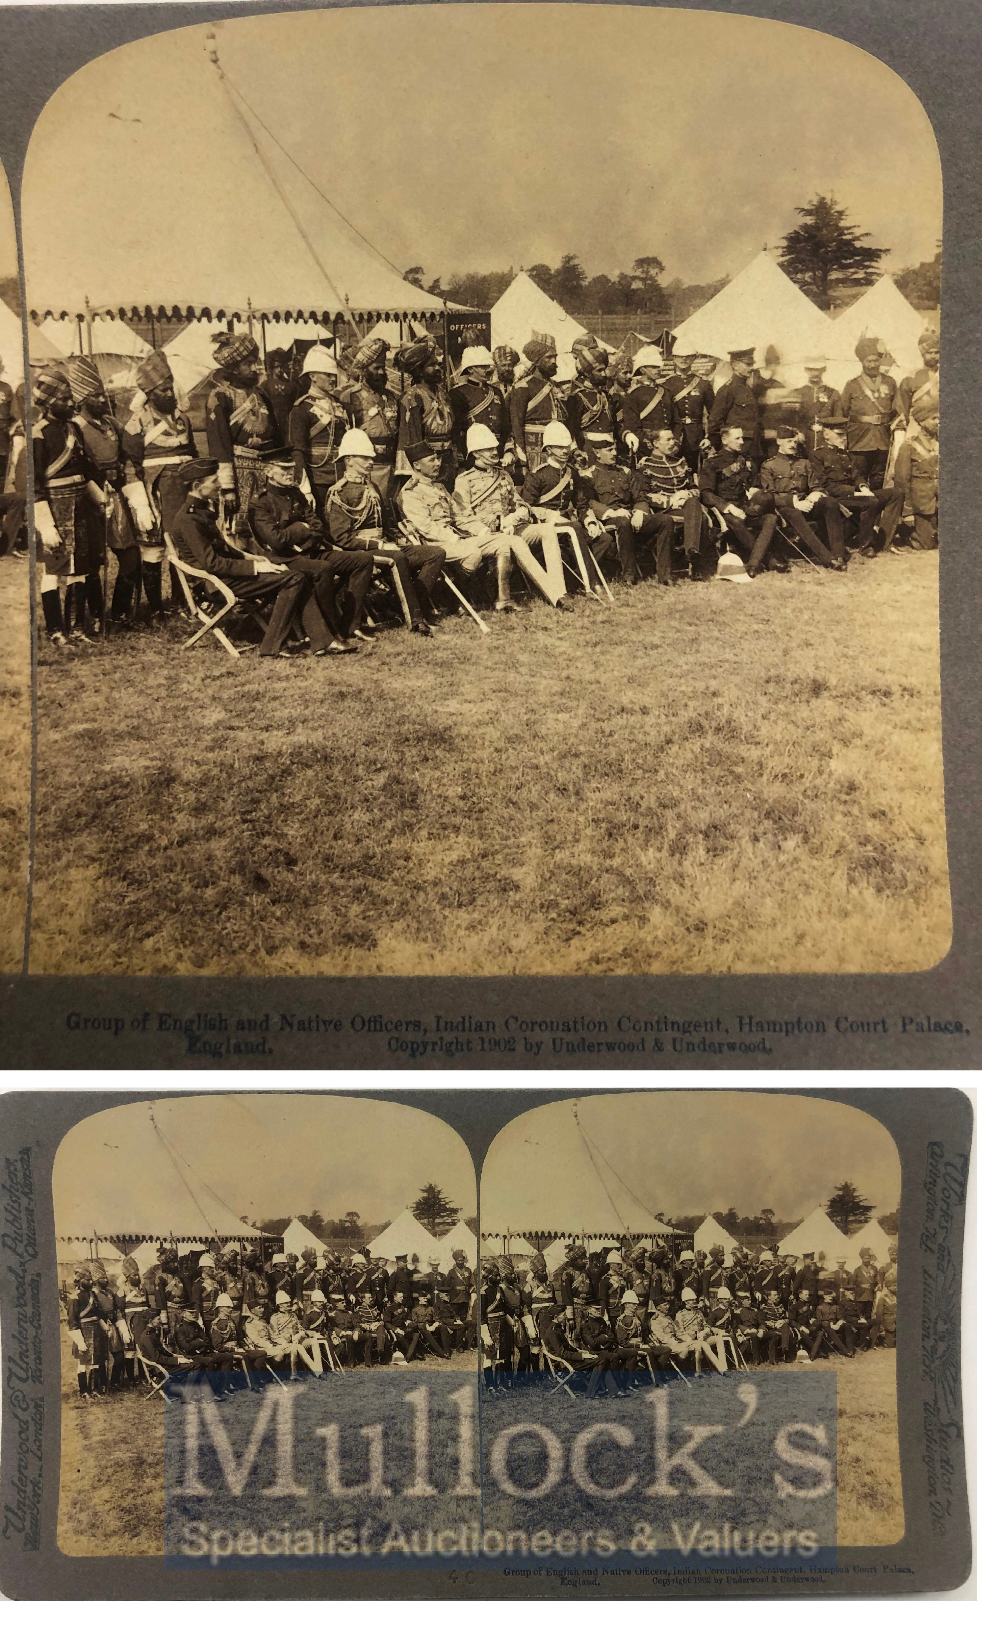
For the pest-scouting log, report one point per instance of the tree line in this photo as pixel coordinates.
(436, 1212)
(846, 1207)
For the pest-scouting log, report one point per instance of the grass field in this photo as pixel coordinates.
(711, 779)
(112, 1473)
(15, 755)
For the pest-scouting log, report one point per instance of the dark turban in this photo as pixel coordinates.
(412, 358)
(543, 344)
(153, 372)
(229, 349)
(47, 386)
(368, 354)
(84, 379)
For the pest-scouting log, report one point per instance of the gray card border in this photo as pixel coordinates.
(936, 50)
(929, 1125)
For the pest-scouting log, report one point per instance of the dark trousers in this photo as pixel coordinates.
(11, 520)
(692, 523)
(740, 529)
(865, 509)
(657, 530)
(603, 1368)
(827, 1338)
(419, 569)
(339, 582)
(870, 467)
(691, 437)
(282, 595)
(787, 512)
(125, 590)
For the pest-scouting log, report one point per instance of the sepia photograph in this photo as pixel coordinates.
(689, 1244)
(223, 1254)
(594, 452)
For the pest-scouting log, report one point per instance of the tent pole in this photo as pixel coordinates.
(88, 323)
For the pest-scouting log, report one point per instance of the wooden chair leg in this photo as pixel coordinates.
(601, 576)
(398, 585)
(464, 603)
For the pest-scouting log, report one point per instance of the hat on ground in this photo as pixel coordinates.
(866, 348)
(355, 443)
(153, 372)
(506, 356)
(368, 354)
(539, 345)
(320, 359)
(731, 568)
(556, 434)
(802, 1358)
(195, 469)
(223, 1302)
(688, 1295)
(281, 1297)
(412, 357)
(481, 438)
(229, 349)
(476, 355)
(630, 1297)
(398, 1358)
(84, 379)
(418, 451)
(646, 356)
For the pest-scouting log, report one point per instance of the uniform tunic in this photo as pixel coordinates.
(589, 412)
(813, 402)
(691, 401)
(482, 403)
(869, 405)
(316, 426)
(737, 405)
(62, 469)
(104, 441)
(240, 423)
(532, 404)
(425, 414)
(156, 444)
(646, 408)
(915, 477)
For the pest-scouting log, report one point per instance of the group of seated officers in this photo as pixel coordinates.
(618, 1317)
(247, 1318)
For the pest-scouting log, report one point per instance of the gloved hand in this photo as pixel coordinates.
(637, 519)
(631, 440)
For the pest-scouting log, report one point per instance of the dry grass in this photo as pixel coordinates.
(715, 779)
(869, 1488)
(15, 754)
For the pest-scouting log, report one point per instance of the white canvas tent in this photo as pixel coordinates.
(298, 1236)
(190, 356)
(459, 1236)
(40, 347)
(145, 1255)
(881, 312)
(710, 1234)
(871, 1235)
(523, 310)
(265, 239)
(109, 336)
(761, 306)
(404, 1235)
(817, 1234)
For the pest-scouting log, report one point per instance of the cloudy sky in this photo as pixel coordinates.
(478, 137)
(685, 1152)
(265, 1155)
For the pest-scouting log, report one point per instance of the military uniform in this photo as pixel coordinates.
(737, 405)
(915, 479)
(614, 493)
(692, 399)
(474, 401)
(73, 548)
(832, 470)
(316, 426)
(669, 492)
(377, 413)
(647, 407)
(240, 424)
(6, 415)
(589, 413)
(562, 492)
(869, 405)
(532, 404)
(782, 480)
(289, 533)
(481, 501)
(812, 403)
(919, 393)
(355, 519)
(425, 414)
(727, 477)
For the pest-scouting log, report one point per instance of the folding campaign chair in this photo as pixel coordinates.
(568, 533)
(158, 1376)
(211, 621)
(410, 536)
(558, 1370)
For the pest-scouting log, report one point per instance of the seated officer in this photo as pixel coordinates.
(728, 484)
(786, 490)
(287, 531)
(617, 500)
(671, 494)
(487, 510)
(357, 517)
(555, 492)
(601, 1353)
(832, 471)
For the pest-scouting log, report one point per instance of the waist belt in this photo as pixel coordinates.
(166, 457)
(65, 482)
(248, 451)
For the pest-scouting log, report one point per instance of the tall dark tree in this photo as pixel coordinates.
(921, 284)
(646, 273)
(433, 1209)
(890, 1222)
(568, 281)
(415, 274)
(847, 1208)
(826, 255)
(543, 275)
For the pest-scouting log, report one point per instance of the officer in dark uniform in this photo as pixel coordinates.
(868, 402)
(786, 490)
(692, 398)
(240, 421)
(616, 496)
(737, 405)
(425, 414)
(814, 402)
(534, 403)
(671, 494)
(648, 405)
(316, 424)
(589, 412)
(475, 398)
(832, 470)
(505, 360)
(290, 533)
(728, 484)
(374, 407)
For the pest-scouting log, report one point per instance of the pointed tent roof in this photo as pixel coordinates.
(458, 1237)
(710, 1234)
(110, 336)
(524, 310)
(881, 312)
(404, 1235)
(189, 353)
(168, 1200)
(816, 1234)
(761, 306)
(590, 1200)
(871, 1235)
(298, 1236)
(276, 244)
(40, 347)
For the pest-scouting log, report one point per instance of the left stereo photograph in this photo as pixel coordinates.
(15, 612)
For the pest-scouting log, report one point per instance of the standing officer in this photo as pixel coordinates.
(814, 402)
(505, 360)
(692, 397)
(374, 407)
(588, 406)
(103, 439)
(425, 413)
(868, 402)
(69, 512)
(737, 405)
(648, 405)
(316, 424)
(239, 422)
(915, 475)
(158, 439)
(921, 391)
(534, 403)
(476, 399)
